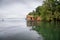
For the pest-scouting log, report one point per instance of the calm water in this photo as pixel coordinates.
(17, 29)
(48, 30)
(20, 29)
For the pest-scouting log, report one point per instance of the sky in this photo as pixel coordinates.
(17, 8)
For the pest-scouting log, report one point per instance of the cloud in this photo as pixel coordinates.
(17, 8)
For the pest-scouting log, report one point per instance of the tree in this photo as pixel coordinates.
(49, 10)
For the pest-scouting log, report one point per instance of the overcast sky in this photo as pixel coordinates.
(17, 8)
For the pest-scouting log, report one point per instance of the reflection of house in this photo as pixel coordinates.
(30, 23)
(33, 23)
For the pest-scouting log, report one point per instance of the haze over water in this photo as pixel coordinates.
(17, 29)
(13, 25)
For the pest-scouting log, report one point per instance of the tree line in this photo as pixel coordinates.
(50, 10)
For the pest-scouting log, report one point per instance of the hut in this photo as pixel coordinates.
(30, 18)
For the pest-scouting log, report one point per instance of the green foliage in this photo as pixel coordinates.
(49, 10)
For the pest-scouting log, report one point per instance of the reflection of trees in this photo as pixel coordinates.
(30, 23)
(50, 31)
(33, 23)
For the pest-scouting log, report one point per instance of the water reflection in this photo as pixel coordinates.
(49, 30)
(16, 29)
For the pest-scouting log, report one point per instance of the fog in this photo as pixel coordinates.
(17, 8)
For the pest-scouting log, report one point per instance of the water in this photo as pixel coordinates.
(48, 30)
(17, 29)
(20, 29)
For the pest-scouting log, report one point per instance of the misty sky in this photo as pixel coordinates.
(17, 8)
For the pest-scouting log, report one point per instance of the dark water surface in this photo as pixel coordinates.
(17, 29)
(48, 30)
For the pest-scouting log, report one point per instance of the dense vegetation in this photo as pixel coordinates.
(50, 10)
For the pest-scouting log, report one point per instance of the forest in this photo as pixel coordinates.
(49, 11)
